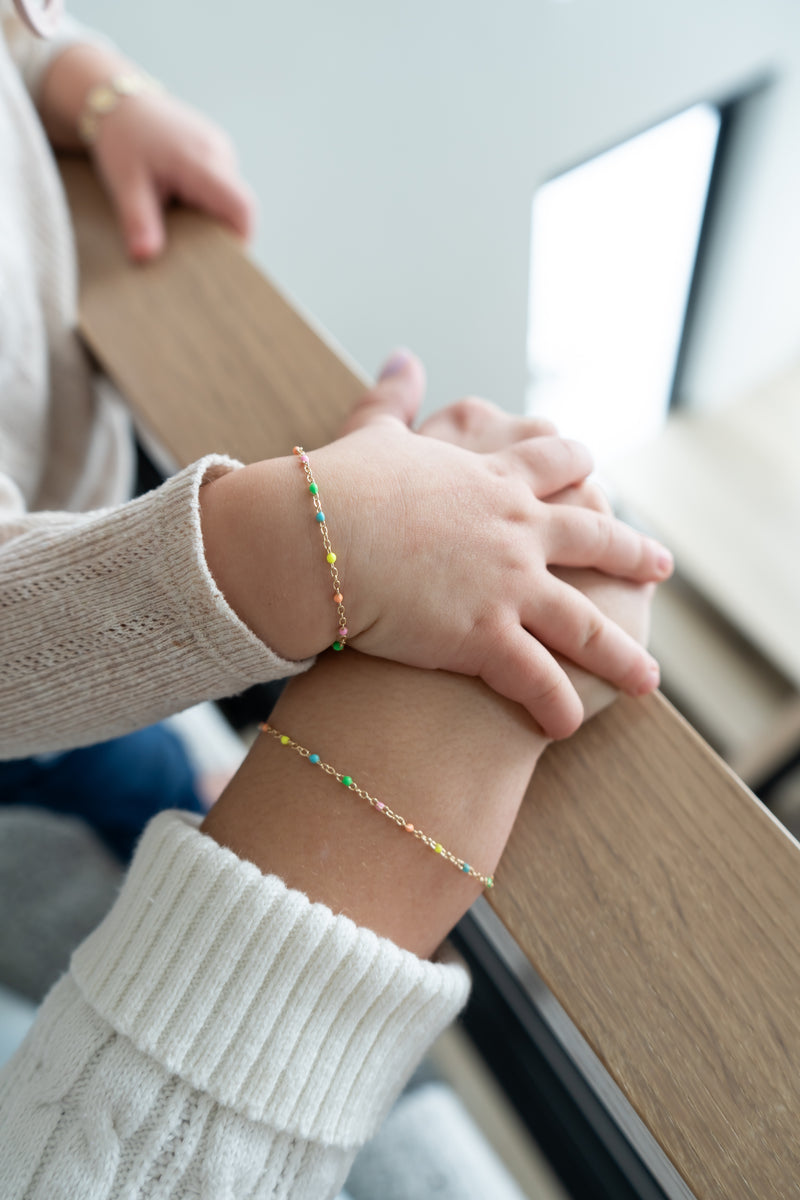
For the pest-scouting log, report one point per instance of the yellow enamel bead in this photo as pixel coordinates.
(285, 740)
(331, 557)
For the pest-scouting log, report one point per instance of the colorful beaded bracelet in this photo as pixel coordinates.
(330, 557)
(378, 805)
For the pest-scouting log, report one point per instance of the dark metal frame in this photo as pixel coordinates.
(731, 111)
(598, 1150)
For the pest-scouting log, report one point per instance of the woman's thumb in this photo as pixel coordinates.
(398, 393)
(140, 216)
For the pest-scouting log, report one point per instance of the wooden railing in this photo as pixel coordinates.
(653, 893)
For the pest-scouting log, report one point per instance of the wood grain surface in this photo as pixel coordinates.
(207, 351)
(654, 894)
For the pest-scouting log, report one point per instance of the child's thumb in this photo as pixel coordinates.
(398, 393)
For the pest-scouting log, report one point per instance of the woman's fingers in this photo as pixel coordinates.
(573, 626)
(214, 188)
(138, 206)
(398, 393)
(586, 494)
(478, 425)
(579, 537)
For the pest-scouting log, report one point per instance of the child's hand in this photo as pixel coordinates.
(152, 148)
(448, 540)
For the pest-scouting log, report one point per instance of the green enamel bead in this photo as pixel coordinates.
(312, 487)
(347, 781)
(338, 645)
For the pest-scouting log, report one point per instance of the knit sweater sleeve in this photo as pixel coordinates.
(218, 1035)
(32, 54)
(111, 620)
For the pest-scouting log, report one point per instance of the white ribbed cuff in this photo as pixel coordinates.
(275, 1006)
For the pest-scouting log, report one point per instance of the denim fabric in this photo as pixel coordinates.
(115, 786)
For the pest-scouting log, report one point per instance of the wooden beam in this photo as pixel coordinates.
(654, 894)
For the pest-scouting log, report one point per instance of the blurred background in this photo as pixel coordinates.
(416, 170)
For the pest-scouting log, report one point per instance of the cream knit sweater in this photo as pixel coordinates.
(218, 1036)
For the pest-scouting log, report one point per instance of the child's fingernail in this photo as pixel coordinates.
(665, 562)
(394, 364)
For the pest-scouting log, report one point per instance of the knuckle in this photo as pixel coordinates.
(605, 532)
(540, 427)
(593, 497)
(210, 144)
(471, 413)
(593, 632)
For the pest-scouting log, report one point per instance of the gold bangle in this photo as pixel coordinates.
(103, 98)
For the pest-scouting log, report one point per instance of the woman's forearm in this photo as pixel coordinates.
(444, 751)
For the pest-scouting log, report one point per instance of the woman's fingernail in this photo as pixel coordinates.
(653, 678)
(394, 364)
(665, 562)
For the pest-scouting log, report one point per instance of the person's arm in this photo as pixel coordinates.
(111, 619)
(149, 148)
(420, 743)
(248, 1031)
(116, 618)
(443, 751)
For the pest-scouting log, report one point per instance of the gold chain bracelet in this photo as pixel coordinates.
(330, 557)
(379, 806)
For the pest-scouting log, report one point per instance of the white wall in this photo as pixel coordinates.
(395, 149)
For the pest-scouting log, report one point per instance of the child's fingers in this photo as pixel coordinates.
(552, 463)
(398, 393)
(572, 625)
(519, 667)
(579, 537)
(139, 209)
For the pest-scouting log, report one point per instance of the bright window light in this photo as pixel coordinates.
(613, 248)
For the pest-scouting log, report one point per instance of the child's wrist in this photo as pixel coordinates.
(266, 557)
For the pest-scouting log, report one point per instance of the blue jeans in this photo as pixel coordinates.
(115, 786)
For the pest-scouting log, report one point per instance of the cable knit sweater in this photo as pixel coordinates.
(218, 1036)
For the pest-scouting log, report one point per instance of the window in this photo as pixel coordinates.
(613, 249)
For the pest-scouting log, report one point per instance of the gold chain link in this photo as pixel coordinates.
(313, 488)
(379, 806)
